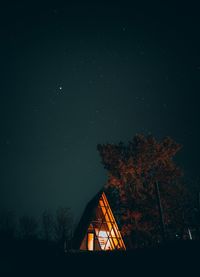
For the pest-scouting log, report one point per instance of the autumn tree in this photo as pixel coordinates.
(133, 171)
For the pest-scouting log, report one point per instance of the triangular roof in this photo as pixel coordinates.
(98, 221)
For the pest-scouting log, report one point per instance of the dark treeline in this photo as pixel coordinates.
(50, 229)
(31, 247)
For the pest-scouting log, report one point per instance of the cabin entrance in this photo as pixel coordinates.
(90, 241)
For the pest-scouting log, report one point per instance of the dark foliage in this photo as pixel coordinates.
(133, 171)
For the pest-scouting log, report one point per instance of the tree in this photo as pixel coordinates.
(133, 171)
(47, 225)
(63, 226)
(7, 225)
(28, 227)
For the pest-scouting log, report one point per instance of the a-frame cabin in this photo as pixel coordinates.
(98, 229)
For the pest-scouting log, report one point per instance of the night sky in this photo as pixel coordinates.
(75, 75)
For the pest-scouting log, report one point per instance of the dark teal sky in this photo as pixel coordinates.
(75, 75)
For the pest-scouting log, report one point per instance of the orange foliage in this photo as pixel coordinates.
(133, 170)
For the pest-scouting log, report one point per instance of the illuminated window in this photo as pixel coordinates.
(90, 241)
(104, 240)
(103, 232)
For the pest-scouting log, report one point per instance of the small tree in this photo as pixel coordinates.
(47, 225)
(7, 225)
(133, 170)
(63, 226)
(28, 227)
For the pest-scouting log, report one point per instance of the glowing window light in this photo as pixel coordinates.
(103, 234)
(90, 241)
(115, 235)
(104, 240)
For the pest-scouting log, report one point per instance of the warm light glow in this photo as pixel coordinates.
(90, 241)
(104, 241)
(103, 232)
(116, 238)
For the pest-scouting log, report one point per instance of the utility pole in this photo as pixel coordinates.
(162, 224)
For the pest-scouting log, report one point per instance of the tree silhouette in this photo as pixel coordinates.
(47, 225)
(28, 227)
(7, 225)
(63, 226)
(133, 170)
